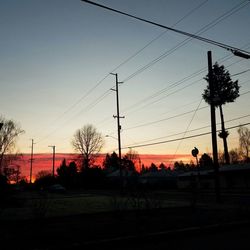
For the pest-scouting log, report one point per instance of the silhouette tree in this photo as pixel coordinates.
(9, 133)
(10, 168)
(111, 162)
(244, 141)
(133, 156)
(12, 173)
(225, 91)
(127, 164)
(153, 168)
(179, 166)
(162, 166)
(44, 179)
(206, 162)
(88, 142)
(67, 174)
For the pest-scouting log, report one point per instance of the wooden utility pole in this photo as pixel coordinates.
(213, 129)
(53, 160)
(31, 159)
(118, 121)
(118, 113)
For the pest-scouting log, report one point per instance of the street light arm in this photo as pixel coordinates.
(240, 54)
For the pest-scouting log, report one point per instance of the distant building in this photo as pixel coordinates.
(161, 178)
(231, 177)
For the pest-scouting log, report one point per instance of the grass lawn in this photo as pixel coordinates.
(34, 205)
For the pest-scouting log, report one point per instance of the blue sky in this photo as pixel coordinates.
(56, 56)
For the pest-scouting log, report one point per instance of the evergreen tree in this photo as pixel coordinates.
(225, 91)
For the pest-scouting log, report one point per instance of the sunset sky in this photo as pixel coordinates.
(56, 56)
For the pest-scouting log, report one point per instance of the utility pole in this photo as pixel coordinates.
(224, 134)
(31, 159)
(213, 129)
(1, 125)
(118, 113)
(118, 121)
(53, 160)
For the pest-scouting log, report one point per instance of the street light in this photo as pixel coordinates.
(111, 137)
(240, 54)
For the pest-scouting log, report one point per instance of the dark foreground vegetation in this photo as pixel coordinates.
(101, 229)
(130, 220)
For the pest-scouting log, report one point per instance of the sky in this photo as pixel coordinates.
(56, 57)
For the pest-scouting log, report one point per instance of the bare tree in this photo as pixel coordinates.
(88, 142)
(234, 155)
(9, 133)
(244, 140)
(133, 156)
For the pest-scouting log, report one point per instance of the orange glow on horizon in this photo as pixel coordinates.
(43, 162)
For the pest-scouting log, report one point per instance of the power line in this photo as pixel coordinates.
(156, 38)
(117, 67)
(171, 117)
(202, 70)
(240, 73)
(187, 128)
(89, 107)
(92, 89)
(222, 45)
(165, 119)
(182, 138)
(185, 41)
(164, 97)
(192, 130)
(177, 83)
(174, 85)
(125, 61)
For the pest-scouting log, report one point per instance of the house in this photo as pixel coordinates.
(231, 176)
(161, 178)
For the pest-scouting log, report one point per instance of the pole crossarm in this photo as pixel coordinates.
(115, 116)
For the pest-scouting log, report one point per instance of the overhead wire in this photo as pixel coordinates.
(210, 41)
(185, 41)
(240, 73)
(174, 85)
(202, 30)
(165, 119)
(106, 77)
(160, 35)
(128, 59)
(182, 138)
(184, 113)
(123, 63)
(168, 118)
(187, 128)
(189, 131)
(171, 117)
(151, 103)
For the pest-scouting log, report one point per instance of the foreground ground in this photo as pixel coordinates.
(93, 220)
